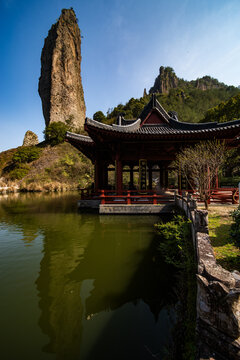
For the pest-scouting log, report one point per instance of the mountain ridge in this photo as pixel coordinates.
(190, 99)
(167, 79)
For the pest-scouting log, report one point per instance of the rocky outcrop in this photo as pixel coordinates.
(30, 139)
(207, 82)
(165, 81)
(60, 83)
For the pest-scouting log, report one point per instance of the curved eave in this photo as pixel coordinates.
(115, 128)
(80, 138)
(154, 133)
(83, 143)
(201, 126)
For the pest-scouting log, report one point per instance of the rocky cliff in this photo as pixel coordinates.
(60, 83)
(167, 79)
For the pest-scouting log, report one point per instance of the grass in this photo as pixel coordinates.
(220, 221)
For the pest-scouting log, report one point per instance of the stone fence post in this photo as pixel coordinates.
(201, 221)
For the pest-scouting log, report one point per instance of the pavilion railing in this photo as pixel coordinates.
(135, 199)
(219, 195)
(128, 197)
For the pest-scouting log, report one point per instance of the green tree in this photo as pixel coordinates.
(55, 132)
(225, 111)
(99, 116)
(26, 155)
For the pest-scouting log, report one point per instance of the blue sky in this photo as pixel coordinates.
(125, 42)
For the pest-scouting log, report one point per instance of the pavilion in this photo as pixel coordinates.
(145, 146)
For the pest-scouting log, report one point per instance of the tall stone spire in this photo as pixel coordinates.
(60, 83)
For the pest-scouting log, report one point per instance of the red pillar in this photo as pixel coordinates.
(118, 176)
(150, 176)
(100, 175)
(96, 176)
(131, 178)
(166, 178)
(105, 176)
(161, 177)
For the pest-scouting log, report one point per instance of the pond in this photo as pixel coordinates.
(80, 286)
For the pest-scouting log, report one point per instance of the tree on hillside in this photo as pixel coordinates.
(199, 165)
(99, 116)
(55, 132)
(225, 111)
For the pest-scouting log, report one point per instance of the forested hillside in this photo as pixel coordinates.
(225, 111)
(190, 99)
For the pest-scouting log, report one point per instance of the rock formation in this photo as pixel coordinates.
(30, 139)
(60, 83)
(167, 79)
(206, 82)
(144, 92)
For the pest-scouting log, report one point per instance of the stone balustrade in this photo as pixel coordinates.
(218, 292)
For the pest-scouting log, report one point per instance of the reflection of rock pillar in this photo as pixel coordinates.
(131, 177)
(118, 175)
(61, 306)
(150, 176)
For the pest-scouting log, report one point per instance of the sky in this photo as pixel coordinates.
(124, 44)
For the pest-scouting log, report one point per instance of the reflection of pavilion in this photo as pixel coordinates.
(138, 151)
(118, 273)
(117, 263)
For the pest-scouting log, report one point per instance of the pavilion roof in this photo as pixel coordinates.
(154, 104)
(174, 129)
(162, 126)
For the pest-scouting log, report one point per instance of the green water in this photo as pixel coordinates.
(80, 286)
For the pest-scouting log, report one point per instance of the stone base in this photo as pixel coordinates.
(148, 209)
(88, 204)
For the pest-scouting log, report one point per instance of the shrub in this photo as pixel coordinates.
(99, 116)
(26, 155)
(173, 237)
(176, 246)
(19, 172)
(235, 228)
(55, 133)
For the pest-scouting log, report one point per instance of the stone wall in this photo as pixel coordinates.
(218, 293)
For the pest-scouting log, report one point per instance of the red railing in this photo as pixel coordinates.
(128, 197)
(222, 195)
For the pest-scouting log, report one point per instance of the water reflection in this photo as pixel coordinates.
(97, 281)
